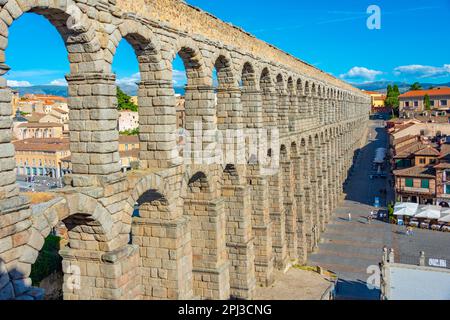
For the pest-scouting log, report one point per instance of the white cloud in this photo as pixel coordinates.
(129, 81)
(16, 83)
(361, 73)
(179, 78)
(59, 82)
(421, 71)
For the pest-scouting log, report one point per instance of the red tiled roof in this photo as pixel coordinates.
(421, 172)
(42, 144)
(443, 91)
(427, 151)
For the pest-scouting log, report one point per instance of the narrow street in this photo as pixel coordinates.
(348, 248)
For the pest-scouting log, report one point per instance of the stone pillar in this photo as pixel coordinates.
(157, 124)
(96, 275)
(294, 112)
(261, 224)
(163, 235)
(283, 112)
(205, 207)
(309, 198)
(269, 106)
(321, 183)
(278, 218)
(93, 128)
(239, 233)
(290, 207)
(300, 199)
(315, 194)
(230, 124)
(200, 120)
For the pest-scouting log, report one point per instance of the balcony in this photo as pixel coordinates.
(413, 190)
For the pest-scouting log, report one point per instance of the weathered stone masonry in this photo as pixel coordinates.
(208, 230)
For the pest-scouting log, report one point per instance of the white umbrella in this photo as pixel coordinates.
(406, 209)
(429, 212)
(445, 219)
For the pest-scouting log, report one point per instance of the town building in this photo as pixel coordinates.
(377, 101)
(28, 130)
(412, 102)
(128, 120)
(41, 156)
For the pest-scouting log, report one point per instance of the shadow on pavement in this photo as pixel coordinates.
(355, 290)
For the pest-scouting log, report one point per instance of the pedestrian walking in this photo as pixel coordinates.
(349, 216)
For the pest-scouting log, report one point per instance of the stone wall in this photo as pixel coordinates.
(210, 226)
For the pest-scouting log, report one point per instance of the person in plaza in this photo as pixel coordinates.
(349, 216)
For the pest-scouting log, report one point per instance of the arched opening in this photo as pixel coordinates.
(34, 115)
(128, 78)
(192, 94)
(252, 112)
(293, 105)
(269, 99)
(228, 111)
(282, 104)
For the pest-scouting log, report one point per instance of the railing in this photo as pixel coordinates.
(415, 190)
(423, 259)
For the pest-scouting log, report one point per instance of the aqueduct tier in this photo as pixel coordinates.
(206, 229)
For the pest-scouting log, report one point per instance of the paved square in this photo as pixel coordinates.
(348, 248)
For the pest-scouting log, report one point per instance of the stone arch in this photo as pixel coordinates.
(248, 76)
(251, 106)
(145, 45)
(208, 232)
(159, 230)
(282, 106)
(223, 64)
(193, 62)
(75, 28)
(269, 98)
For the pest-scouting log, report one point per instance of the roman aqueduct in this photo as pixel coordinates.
(205, 230)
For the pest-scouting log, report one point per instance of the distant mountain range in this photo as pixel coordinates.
(43, 89)
(62, 90)
(381, 86)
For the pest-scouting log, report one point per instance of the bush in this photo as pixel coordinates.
(49, 261)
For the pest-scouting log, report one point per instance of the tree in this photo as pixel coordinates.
(427, 102)
(415, 86)
(392, 99)
(124, 101)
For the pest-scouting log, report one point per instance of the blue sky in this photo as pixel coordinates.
(411, 45)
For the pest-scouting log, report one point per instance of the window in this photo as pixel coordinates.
(406, 103)
(416, 103)
(443, 102)
(447, 189)
(425, 184)
(422, 160)
(409, 183)
(432, 103)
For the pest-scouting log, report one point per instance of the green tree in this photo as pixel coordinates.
(427, 102)
(415, 86)
(392, 99)
(124, 101)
